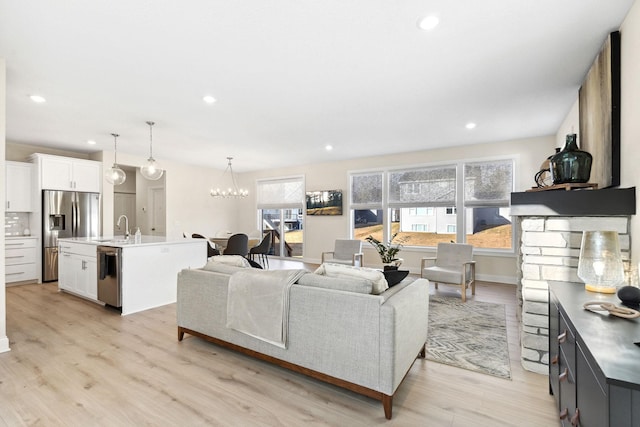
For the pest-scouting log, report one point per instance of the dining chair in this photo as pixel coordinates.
(453, 265)
(262, 249)
(238, 244)
(211, 251)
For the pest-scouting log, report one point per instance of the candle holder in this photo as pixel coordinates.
(600, 265)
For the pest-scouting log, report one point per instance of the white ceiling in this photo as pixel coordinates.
(291, 76)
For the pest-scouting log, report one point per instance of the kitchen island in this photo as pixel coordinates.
(147, 270)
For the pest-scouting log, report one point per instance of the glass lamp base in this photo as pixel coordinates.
(600, 289)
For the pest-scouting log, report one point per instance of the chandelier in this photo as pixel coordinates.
(114, 175)
(232, 192)
(151, 170)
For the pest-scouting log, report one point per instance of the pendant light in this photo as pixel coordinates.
(114, 175)
(232, 192)
(151, 170)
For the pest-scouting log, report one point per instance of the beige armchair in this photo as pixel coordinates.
(348, 252)
(452, 265)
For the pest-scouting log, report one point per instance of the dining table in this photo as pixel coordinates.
(221, 242)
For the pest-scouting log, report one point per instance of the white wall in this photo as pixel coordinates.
(321, 231)
(190, 208)
(629, 109)
(4, 340)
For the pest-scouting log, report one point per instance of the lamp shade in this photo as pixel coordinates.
(151, 170)
(114, 175)
(600, 266)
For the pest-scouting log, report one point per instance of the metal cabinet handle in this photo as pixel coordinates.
(555, 360)
(563, 376)
(562, 337)
(575, 420)
(564, 413)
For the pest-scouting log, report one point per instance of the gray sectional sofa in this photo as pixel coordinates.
(338, 332)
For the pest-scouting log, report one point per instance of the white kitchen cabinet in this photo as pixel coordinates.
(20, 260)
(78, 269)
(18, 187)
(65, 173)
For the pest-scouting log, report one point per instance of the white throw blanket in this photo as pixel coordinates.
(258, 303)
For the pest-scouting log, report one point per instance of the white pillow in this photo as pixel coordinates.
(235, 260)
(339, 270)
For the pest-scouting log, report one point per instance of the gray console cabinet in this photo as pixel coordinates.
(594, 369)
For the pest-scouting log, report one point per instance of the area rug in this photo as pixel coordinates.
(470, 335)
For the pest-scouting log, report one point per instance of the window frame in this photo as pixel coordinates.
(459, 208)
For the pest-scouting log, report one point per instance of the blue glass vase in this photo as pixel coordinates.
(571, 165)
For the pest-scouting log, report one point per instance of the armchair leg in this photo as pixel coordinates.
(463, 288)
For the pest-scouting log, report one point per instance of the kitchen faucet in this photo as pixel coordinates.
(126, 225)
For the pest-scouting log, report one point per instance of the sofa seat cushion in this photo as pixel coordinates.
(361, 286)
(378, 282)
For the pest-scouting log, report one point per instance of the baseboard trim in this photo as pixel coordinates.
(4, 345)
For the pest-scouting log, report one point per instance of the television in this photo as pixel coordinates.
(325, 202)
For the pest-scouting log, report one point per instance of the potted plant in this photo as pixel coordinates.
(387, 251)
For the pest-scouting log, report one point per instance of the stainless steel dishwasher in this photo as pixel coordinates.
(109, 278)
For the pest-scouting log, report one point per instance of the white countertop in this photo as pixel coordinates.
(19, 237)
(118, 241)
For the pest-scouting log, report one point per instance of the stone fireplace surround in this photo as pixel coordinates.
(550, 227)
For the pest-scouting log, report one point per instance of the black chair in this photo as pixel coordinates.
(262, 250)
(238, 244)
(211, 251)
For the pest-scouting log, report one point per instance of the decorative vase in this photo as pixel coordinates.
(389, 267)
(571, 165)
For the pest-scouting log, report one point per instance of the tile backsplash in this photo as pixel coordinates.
(16, 223)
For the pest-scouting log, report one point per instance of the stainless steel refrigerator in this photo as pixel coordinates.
(66, 214)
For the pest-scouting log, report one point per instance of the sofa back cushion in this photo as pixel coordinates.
(361, 286)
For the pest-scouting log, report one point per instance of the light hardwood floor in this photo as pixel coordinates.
(75, 363)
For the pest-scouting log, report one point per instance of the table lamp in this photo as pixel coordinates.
(600, 265)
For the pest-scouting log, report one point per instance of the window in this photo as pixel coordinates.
(487, 192)
(280, 211)
(366, 205)
(463, 202)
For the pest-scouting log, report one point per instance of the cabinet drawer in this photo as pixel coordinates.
(79, 249)
(567, 342)
(19, 256)
(17, 273)
(19, 243)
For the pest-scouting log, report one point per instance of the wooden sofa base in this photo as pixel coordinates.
(387, 401)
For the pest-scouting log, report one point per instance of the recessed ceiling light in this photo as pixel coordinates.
(91, 142)
(37, 98)
(428, 22)
(209, 99)
(470, 125)
(328, 147)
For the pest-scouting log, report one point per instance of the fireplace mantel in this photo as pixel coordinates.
(605, 202)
